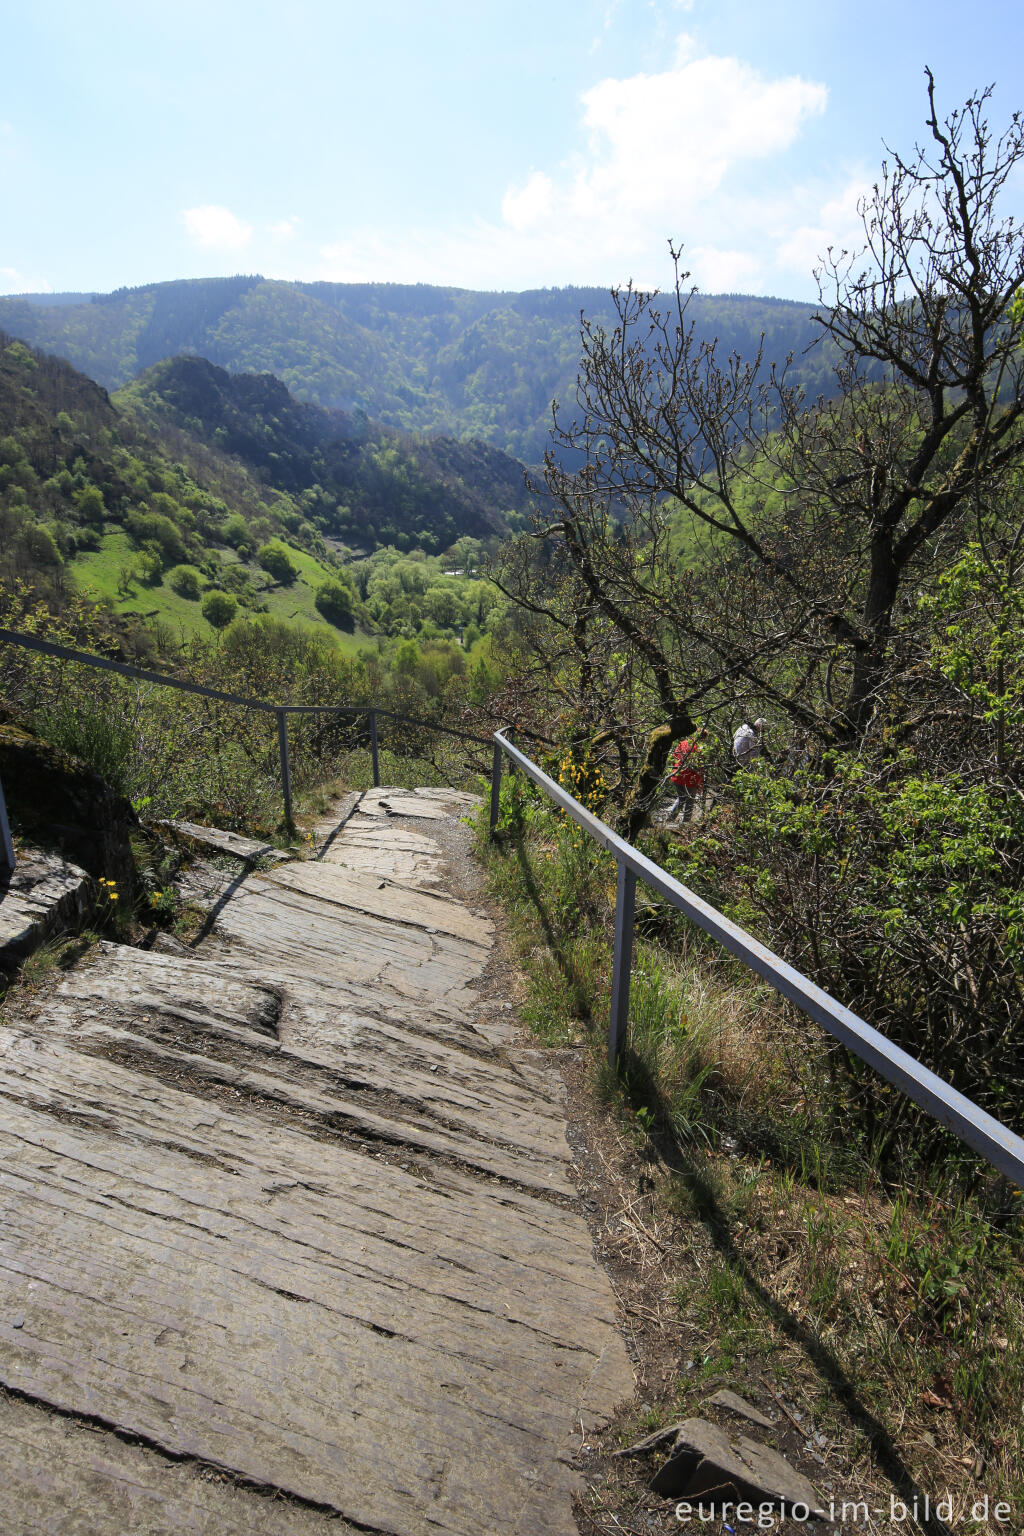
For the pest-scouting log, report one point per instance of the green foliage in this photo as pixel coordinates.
(150, 568)
(156, 532)
(219, 609)
(235, 532)
(977, 606)
(181, 755)
(335, 600)
(517, 801)
(176, 501)
(89, 501)
(335, 474)
(407, 594)
(784, 1214)
(419, 358)
(99, 735)
(19, 356)
(41, 546)
(108, 474)
(277, 562)
(901, 893)
(186, 581)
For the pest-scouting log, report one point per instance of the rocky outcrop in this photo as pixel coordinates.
(58, 804)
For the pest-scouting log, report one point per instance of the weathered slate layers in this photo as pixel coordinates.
(43, 894)
(288, 1207)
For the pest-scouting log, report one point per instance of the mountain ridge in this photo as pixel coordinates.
(418, 357)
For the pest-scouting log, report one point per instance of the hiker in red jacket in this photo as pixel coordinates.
(687, 773)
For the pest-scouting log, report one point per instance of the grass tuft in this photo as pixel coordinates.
(896, 1311)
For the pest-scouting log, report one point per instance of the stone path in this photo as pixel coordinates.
(288, 1236)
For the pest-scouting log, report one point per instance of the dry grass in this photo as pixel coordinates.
(753, 1240)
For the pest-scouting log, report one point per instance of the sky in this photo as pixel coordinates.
(465, 142)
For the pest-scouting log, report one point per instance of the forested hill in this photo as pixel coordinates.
(138, 501)
(363, 483)
(422, 358)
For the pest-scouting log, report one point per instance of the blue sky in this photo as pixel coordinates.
(475, 144)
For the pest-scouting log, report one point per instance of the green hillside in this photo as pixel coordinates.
(99, 574)
(361, 483)
(151, 525)
(136, 504)
(420, 358)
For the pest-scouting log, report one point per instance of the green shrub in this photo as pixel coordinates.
(334, 600)
(149, 567)
(89, 501)
(276, 561)
(236, 532)
(219, 608)
(102, 737)
(900, 893)
(153, 529)
(40, 545)
(186, 581)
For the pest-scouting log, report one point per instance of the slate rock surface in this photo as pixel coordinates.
(706, 1464)
(43, 895)
(289, 1225)
(733, 1403)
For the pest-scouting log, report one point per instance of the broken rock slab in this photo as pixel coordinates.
(650, 1442)
(723, 1399)
(248, 849)
(705, 1464)
(44, 895)
(439, 804)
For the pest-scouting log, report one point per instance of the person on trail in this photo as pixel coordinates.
(748, 743)
(687, 773)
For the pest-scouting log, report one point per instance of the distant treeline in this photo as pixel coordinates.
(420, 358)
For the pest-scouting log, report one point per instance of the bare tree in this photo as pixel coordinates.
(815, 522)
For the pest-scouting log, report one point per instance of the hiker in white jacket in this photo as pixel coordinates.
(748, 742)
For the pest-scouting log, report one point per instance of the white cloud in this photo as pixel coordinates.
(284, 229)
(13, 281)
(526, 207)
(668, 154)
(215, 227)
(722, 271)
(663, 144)
(837, 225)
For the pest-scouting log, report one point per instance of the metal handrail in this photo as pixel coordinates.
(185, 685)
(1003, 1148)
(6, 841)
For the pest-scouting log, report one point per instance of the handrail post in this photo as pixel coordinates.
(495, 785)
(374, 756)
(6, 841)
(286, 777)
(622, 959)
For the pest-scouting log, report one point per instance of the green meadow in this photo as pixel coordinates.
(98, 574)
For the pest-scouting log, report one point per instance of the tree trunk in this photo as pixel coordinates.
(869, 659)
(659, 745)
